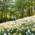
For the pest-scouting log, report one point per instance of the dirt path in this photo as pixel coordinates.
(10, 24)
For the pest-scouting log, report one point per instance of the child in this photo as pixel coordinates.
(14, 19)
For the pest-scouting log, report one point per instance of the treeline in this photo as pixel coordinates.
(20, 8)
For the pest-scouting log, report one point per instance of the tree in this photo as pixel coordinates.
(24, 4)
(6, 4)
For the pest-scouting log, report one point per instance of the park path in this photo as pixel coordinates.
(10, 24)
(23, 20)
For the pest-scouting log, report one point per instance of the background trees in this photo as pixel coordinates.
(20, 8)
(24, 6)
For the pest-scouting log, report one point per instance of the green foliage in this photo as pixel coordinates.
(15, 31)
(9, 10)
